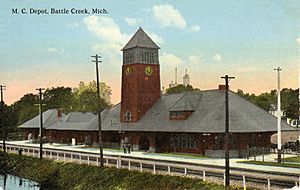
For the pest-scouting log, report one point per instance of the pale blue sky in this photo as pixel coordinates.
(246, 39)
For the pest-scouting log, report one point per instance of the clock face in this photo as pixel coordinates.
(148, 71)
(128, 71)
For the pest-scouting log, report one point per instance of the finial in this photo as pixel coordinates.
(140, 27)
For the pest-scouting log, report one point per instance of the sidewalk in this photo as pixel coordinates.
(183, 158)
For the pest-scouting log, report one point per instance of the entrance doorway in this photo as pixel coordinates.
(144, 143)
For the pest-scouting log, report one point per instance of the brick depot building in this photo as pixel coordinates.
(191, 122)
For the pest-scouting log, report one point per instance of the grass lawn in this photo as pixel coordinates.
(288, 165)
(293, 159)
(181, 155)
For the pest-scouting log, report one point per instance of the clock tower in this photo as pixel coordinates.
(140, 77)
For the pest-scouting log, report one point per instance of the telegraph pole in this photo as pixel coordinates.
(227, 167)
(41, 121)
(99, 107)
(278, 115)
(2, 118)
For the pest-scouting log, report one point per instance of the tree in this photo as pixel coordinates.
(25, 108)
(180, 88)
(85, 97)
(60, 97)
(289, 101)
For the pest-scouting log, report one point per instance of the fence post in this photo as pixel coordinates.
(203, 175)
(263, 157)
(129, 165)
(71, 157)
(57, 156)
(244, 182)
(224, 181)
(269, 184)
(88, 158)
(141, 167)
(51, 155)
(106, 161)
(79, 159)
(169, 169)
(64, 157)
(185, 171)
(254, 153)
(120, 162)
(97, 161)
(154, 169)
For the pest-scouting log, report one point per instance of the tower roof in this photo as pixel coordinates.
(140, 39)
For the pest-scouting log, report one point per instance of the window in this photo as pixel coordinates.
(127, 117)
(184, 141)
(176, 113)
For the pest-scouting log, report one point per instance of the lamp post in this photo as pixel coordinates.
(278, 115)
(99, 108)
(41, 121)
(2, 118)
(227, 167)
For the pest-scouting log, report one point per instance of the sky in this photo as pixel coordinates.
(245, 39)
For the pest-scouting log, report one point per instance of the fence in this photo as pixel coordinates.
(127, 162)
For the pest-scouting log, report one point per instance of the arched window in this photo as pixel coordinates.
(127, 117)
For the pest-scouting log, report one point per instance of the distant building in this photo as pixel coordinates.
(186, 79)
(190, 122)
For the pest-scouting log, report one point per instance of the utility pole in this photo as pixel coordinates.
(2, 118)
(99, 107)
(278, 115)
(41, 121)
(227, 167)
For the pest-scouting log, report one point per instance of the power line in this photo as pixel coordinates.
(227, 167)
(99, 107)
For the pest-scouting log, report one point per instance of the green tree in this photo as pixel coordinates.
(60, 97)
(289, 101)
(85, 97)
(25, 108)
(180, 88)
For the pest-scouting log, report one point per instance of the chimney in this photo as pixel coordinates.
(222, 87)
(59, 112)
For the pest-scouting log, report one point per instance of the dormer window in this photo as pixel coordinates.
(180, 115)
(128, 117)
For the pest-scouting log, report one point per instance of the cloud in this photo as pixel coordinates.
(167, 15)
(298, 40)
(73, 25)
(106, 29)
(195, 28)
(110, 34)
(170, 59)
(131, 21)
(55, 50)
(195, 59)
(52, 50)
(217, 57)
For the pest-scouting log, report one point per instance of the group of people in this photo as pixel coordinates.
(126, 148)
